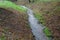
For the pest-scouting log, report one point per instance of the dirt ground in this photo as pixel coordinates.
(14, 25)
(51, 14)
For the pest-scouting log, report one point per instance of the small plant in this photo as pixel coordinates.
(47, 32)
(3, 37)
(40, 18)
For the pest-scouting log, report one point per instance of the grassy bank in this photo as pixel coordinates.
(39, 16)
(8, 4)
(41, 20)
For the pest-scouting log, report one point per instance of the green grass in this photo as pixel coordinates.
(40, 17)
(8, 4)
(47, 32)
(47, 1)
(3, 37)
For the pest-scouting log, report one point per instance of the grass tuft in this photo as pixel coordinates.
(47, 32)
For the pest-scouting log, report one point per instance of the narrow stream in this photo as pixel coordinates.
(37, 29)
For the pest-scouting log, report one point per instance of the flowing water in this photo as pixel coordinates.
(37, 29)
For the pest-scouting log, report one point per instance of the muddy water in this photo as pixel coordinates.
(37, 29)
